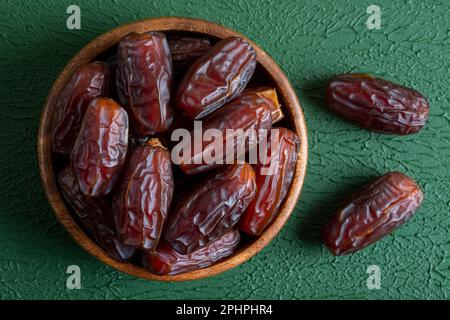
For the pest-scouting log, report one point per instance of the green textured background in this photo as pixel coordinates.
(311, 40)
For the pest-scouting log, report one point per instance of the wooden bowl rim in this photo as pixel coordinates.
(181, 24)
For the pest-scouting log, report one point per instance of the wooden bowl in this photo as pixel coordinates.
(267, 71)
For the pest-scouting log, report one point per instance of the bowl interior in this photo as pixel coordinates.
(267, 74)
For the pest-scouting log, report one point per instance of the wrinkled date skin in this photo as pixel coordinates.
(88, 82)
(101, 147)
(247, 112)
(216, 78)
(271, 97)
(143, 200)
(166, 261)
(377, 104)
(95, 215)
(185, 50)
(374, 212)
(211, 210)
(144, 81)
(272, 183)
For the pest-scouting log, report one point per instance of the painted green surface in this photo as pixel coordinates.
(311, 40)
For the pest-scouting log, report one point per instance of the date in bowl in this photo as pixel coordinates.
(267, 74)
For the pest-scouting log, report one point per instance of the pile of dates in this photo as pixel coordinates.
(112, 138)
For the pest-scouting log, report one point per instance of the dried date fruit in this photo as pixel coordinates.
(250, 111)
(271, 95)
(95, 216)
(216, 78)
(88, 82)
(142, 202)
(185, 50)
(374, 212)
(273, 177)
(166, 261)
(144, 81)
(377, 104)
(264, 93)
(101, 147)
(211, 210)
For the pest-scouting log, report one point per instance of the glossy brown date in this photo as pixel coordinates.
(101, 147)
(166, 261)
(144, 81)
(95, 215)
(374, 212)
(211, 210)
(377, 104)
(271, 97)
(185, 50)
(273, 177)
(88, 82)
(250, 111)
(216, 78)
(142, 202)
